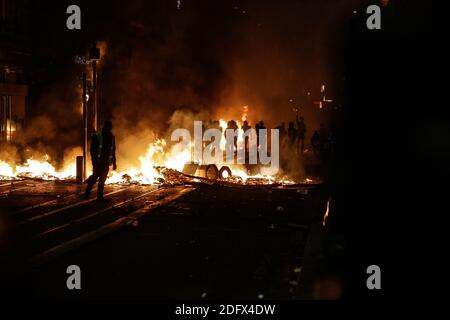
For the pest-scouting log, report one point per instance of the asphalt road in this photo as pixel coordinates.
(212, 243)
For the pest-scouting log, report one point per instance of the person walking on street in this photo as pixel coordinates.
(103, 154)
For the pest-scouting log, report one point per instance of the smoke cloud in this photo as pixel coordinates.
(162, 68)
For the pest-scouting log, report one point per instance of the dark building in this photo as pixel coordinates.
(14, 57)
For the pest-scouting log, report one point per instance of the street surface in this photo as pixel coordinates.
(183, 242)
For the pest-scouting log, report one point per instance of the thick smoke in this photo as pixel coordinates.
(52, 128)
(162, 68)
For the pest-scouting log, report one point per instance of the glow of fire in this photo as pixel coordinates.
(39, 169)
(6, 171)
(225, 175)
(157, 155)
(244, 113)
(325, 217)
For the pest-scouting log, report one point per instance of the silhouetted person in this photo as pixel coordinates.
(233, 126)
(282, 132)
(315, 142)
(260, 126)
(103, 154)
(257, 134)
(301, 132)
(245, 127)
(215, 124)
(292, 133)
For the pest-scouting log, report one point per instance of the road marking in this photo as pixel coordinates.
(56, 251)
(38, 217)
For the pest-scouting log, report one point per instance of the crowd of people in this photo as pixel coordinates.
(292, 138)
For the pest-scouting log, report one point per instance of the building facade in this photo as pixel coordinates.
(14, 59)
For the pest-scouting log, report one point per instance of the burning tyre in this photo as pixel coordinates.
(224, 172)
(208, 171)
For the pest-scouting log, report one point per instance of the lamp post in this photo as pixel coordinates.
(85, 126)
(94, 56)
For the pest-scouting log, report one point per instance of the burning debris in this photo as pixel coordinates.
(148, 175)
(169, 165)
(35, 169)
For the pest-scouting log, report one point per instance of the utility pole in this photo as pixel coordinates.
(85, 125)
(94, 92)
(94, 55)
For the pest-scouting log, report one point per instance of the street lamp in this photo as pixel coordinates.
(94, 56)
(81, 161)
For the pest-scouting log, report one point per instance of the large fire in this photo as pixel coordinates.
(158, 157)
(148, 173)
